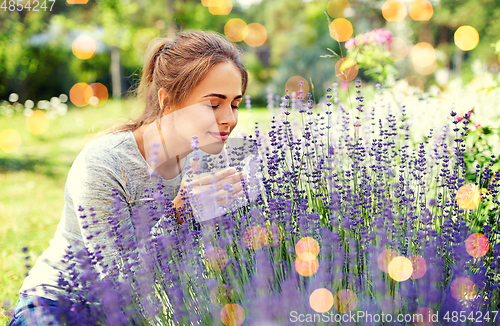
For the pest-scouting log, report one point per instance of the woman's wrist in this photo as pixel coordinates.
(180, 208)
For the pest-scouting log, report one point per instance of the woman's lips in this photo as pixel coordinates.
(219, 136)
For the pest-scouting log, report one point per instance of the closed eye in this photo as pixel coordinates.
(237, 106)
(216, 106)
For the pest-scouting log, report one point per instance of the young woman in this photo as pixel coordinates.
(192, 86)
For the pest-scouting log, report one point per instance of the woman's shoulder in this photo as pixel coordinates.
(109, 150)
(108, 141)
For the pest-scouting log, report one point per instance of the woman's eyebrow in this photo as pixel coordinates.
(222, 96)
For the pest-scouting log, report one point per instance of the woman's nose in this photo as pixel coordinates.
(226, 116)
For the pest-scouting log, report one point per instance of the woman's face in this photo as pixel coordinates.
(211, 109)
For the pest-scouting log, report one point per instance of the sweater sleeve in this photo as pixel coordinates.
(99, 205)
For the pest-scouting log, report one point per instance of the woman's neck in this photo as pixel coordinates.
(172, 160)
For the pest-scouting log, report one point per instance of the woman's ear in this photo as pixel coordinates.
(163, 100)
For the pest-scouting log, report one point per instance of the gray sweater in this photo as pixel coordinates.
(110, 162)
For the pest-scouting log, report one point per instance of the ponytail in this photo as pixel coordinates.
(154, 50)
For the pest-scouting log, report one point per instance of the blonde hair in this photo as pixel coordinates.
(178, 66)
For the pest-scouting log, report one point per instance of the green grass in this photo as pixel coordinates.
(32, 183)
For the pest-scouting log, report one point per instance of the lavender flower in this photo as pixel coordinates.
(359, 188)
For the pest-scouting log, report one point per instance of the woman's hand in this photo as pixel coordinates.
(220, 188)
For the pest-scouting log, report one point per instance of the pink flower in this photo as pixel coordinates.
(381, 36)
(350, 43)
(374, 37)
(460, 117)
(474, 128)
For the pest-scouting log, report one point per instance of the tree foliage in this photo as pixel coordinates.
(36, 46)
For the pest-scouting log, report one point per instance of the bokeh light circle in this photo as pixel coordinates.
(141, 39)
(341, 29)
(77, 94)
(400, 269)
(255, 237)
(27, 112)
(423, 54)
(232, 314)
(292, 85)
(84, 47)
(321, 300)
(216, 258)
(337, 8)
(256, 35)
(94, 100)
(54, 101)
(10, 140)
(307, 249)
(477, 245)
(427, 70)
(98, 91)
(37, 123)
(421, 10)
(468, 196)
(346, 69)
(393, 10)
(345, 301)
(466, 38)
(463, 288)
(419, 266)
(398, 49)
(43, 104)
(13, 97)
(385, 258)
(306, 268)
(220, 7)
(29, 104)
(236, 30)
(424, 59)
(414, 81)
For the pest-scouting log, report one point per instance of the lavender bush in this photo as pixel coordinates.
(354, 219)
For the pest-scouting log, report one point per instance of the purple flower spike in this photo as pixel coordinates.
(357, 183)
(195, 143)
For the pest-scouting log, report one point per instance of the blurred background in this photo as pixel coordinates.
(71, 43)
(68, 68)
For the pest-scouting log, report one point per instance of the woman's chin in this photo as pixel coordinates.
(213, 148)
